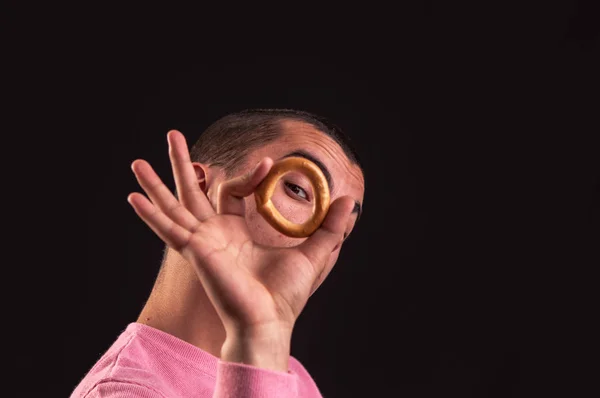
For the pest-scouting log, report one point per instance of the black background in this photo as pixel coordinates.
(470, 273)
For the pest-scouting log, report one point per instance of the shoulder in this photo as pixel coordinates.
(146, 362)
(125, 368)
(122, 389)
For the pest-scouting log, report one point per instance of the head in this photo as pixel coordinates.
(234, 144)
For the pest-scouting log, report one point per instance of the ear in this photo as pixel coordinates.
(202, 174)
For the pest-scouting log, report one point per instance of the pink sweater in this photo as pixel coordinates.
(146, 362)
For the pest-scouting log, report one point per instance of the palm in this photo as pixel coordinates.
(261, 284)
(249, 284)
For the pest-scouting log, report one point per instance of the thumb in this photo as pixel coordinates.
(323, 241)
(231, 193)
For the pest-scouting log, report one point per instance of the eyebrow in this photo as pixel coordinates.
(306, 155)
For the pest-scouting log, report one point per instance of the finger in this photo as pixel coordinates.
(161, 196)
(324, 240)
(170, 232)
(232, 192)
(186, 181)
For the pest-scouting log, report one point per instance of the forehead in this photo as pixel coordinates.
(347, 177)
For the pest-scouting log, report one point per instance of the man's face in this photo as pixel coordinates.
(293, 195)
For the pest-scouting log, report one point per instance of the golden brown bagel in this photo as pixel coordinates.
(266, 188)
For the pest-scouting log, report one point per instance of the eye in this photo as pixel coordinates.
(297, 190)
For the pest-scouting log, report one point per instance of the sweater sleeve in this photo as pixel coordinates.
(236, 380)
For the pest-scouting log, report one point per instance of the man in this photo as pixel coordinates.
(219, 320)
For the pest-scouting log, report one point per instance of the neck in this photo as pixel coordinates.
(178, 305)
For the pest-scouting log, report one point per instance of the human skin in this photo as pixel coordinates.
(232, 285)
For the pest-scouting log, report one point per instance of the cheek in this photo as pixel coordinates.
(291, 209)
(262, 232)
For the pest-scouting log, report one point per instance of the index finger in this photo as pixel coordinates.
(186, 181)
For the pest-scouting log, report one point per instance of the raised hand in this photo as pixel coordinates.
(257, 291)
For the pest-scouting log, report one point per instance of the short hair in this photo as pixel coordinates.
(227, 142)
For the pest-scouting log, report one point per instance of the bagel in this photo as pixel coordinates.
(321, 200)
